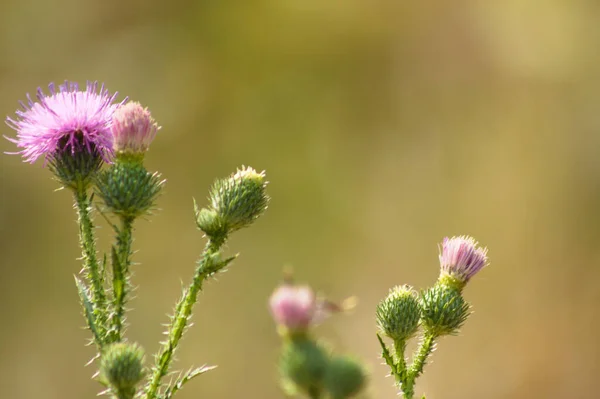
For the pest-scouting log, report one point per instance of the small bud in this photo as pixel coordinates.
(133, 129)
(121, 367)
(293, 307)
(239, 199)
(344, 378)
(128, 189)
(443, 309)
(398, 315)
(210, 222)
(460, 259)
(75, 165)
(303, 364)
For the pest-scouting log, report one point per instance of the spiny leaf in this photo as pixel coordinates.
(178, 384)
(88, 310)
(387, 356)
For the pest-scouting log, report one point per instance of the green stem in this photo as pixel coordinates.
(183, 310)
(400, 363)
(87, 242)
(120, 264)
(416, 368)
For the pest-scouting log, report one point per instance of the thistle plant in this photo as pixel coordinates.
(307, 367)
(437, 311)
(95, 148)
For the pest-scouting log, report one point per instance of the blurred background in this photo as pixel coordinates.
(383, 127)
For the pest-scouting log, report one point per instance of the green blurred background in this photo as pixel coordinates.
(383, 126)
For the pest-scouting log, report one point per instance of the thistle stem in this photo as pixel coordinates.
(87, 242)
(400, 361)
(120, 264)
(183, 311)
(425, 348)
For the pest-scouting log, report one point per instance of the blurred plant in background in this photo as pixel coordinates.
(78, 132)
(306, 365)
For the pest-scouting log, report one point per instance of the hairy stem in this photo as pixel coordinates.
(425, 348)
(183, 311)
(120, 265)
(400, 361)
(87, 242)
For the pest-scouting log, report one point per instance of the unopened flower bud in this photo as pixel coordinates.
(128, 189)
(302, 365)
(239, 199)
(399, 313)
(122, 368)
(293, 307)
(344, 377)
(460, 259)
(133, 129)
(443, 309)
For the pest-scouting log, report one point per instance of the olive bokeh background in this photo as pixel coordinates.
(383, 126)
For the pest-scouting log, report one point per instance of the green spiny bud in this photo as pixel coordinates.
(303, 364)
(345, 377)
(239, 199)
(444, 310)
(399, 313)
(121, 367)
(128, 189)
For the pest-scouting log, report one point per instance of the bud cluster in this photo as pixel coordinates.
(439, 310)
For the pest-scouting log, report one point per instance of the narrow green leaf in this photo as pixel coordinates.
(387, 356)
(88, 310)
(178, 384)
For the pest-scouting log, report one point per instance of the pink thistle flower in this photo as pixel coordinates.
(133, 128)
(462, 258)
(293, 307)
(66, 120)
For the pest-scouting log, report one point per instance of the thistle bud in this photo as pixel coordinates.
(239, 199)
(399, 313)
(443, 309)
(121, 367)
(344, 377)
(133, 129)
(293, 307)
(302, 365)
(128, 189)
(460, 259)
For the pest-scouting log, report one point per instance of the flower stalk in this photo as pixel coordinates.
(90, 262)
(208, 265)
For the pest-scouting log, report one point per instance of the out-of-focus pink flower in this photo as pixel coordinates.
(293, 307)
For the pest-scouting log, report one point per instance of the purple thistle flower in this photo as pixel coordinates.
(462, 258)
(133, 128)
(67, 119)
(293, 306)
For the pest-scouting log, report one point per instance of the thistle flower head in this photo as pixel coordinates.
(461, 258)
(293, 307)
(133, 129)
(67, 120)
